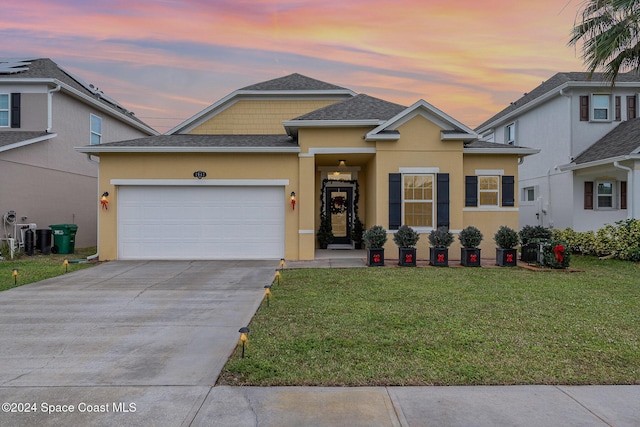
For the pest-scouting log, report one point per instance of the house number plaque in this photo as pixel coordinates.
(199, 174)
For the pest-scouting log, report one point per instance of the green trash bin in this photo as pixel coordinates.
(64, 238)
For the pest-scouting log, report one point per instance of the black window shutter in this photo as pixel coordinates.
(588, 194)
(15, 110)
(508, 191)
(584, 108)
(395, 201)
(471, 191)
(631, 107)
(442, 189)
(618, 109)
(623, 194)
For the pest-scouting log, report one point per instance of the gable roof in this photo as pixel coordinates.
(295, 82)
(451, 128)
(292, 85)
(622, 141)
(360, 107)
(552, 87)
(44, 70)
(199, 143)
(485, 147)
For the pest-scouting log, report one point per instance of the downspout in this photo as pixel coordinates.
(94, 256)
(630, 212)
(548, 210)
(50, 107)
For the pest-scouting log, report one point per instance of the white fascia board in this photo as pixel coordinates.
(526, 107)
(574, 166)
(203, 182)
(96, 149)
(330, 123)
(381, 137)
(459, 136)
(27, 142)
(428, 111)
(97, 104)
(338, 150)
(506, 150)
(232, 98)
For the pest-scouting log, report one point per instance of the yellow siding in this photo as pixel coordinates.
(181, 166)
(258, 116)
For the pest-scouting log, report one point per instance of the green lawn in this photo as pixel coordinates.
(446, 326)
(39, 267)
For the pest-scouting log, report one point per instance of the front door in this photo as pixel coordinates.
(339, 208)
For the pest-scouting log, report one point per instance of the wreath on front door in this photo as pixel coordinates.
(338, 205)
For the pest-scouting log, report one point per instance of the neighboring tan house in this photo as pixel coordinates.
(44, 113)
(588, 171)
(223, 183)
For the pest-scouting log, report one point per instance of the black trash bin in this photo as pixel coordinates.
(43, 240)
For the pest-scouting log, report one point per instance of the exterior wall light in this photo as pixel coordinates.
(293, 200)
(104, 200)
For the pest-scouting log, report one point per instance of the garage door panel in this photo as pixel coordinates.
(200, 222)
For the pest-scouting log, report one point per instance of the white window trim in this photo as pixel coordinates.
(592, 108)
(491, 172)
(92, 132)
(507, 140)
(497, 204)
(8, 110)
(432, 173)
(523, 199)
(614, 193)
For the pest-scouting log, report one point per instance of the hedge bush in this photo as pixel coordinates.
(620, 240)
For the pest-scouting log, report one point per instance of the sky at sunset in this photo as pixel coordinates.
(167, 60)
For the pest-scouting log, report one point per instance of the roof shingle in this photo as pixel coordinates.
(292, 82)
(360, 107)
(624, 139)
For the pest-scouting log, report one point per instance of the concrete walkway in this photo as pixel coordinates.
(142, 343)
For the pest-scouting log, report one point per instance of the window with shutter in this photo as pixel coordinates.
(588, 195)
(584, 108)
(631, 107)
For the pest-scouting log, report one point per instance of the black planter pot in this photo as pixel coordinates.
(375, 257)
(529, 253)
(470, 257)
(439, 257)
(407, 257)
(506, 257)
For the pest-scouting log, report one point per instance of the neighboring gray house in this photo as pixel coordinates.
(44, 113)
(588, 171)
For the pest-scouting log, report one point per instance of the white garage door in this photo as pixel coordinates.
(183, 222)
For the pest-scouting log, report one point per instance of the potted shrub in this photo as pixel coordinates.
(470, 238)
(556, 254)
(356, 233)
(406, 239)
(507, 239)
(325, 233)
(440, 240)
(375, 238)
(531, 237)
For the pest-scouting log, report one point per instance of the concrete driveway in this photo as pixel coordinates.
(126, 343)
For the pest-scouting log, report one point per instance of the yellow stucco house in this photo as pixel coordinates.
(250, 176)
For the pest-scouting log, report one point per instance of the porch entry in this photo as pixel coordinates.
(339, 207)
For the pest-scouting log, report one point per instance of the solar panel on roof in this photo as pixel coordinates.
(13, 65)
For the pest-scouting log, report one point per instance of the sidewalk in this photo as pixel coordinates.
(533, 406)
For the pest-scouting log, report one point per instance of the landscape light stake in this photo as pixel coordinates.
(281, 264)
(243, 337)
(66, 265)
(278, 277)
(267, 293)
(15, 276)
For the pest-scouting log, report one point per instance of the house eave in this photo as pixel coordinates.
(577, 166)
(97, 149)
(458, 136)
(75, 93)
(506, 150)
(28, 142)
